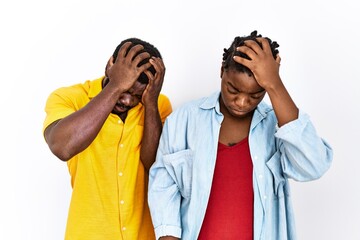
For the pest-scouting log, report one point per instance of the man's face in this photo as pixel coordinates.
(240, 93)
(129, 99)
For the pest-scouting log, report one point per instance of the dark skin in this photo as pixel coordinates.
(74, 133)
(242, 92)
(265, 70)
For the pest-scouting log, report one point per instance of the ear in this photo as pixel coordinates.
(221, 71)
(278, 58)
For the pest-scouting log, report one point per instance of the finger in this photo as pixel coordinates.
(160, 61)
(247, 63)
(110, 62)
(248, 51)
(144, 67)
(158, 65)
(253, 45)
(140, 57)
(265, 44)
(160, 70)
(150, 76)
(124, 49)
(134, 51)
(145, 92)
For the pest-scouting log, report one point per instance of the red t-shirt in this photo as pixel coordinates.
(229, 213)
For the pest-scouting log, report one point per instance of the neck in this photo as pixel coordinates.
(123, 116)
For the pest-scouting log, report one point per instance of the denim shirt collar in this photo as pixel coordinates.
(212, 102)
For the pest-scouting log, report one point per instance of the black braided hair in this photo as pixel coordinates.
(149, 48)
(228, 61)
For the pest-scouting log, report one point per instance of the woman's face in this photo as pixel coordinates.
(240, 93)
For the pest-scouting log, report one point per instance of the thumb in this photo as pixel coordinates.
(109, 64)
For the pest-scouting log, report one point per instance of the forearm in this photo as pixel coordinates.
(151, 135)
(74, 133)
(284, 107)
(164, 191)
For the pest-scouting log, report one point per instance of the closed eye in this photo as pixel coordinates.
(232, 90)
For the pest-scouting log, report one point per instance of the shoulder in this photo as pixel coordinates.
(71, 89)
(87, 89)
(191, 108)
(163, 100)
(164, 106)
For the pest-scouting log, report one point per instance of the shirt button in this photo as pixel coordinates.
(122, 202)
(256, 157)
(119, 121)
(260, 176)
(121, 145)
(265, 197)
(123, 228)
(120, 174)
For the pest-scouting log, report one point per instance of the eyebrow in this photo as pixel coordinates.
(229, 83)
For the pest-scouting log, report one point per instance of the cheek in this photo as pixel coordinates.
(226, 98)
(135, 101)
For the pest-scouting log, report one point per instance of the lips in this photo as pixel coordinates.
(122, 107)
(239, 111)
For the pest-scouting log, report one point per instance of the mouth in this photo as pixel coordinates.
(121, 108)
(239, 112)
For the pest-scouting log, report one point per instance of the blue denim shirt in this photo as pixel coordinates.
(180, 179)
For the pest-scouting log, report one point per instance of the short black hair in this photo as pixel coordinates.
(149, 48)
(228, 61)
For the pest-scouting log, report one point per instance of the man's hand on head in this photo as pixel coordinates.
(152, 91)
(124, 71)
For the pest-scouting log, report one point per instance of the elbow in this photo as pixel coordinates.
(61, 152)
(326, 162)
(316, 168)
(322, 163)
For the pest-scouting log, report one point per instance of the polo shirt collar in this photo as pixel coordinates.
(95, 87)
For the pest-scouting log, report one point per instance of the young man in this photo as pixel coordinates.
(108, 131)
(224, 161)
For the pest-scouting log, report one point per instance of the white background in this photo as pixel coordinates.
(48, 44)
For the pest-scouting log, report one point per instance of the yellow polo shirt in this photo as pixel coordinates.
(109, 198)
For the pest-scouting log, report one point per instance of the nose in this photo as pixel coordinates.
(242, 101)
(126, 99)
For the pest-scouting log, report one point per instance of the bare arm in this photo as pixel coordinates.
(266, 72)
(72, 134)
(152, 124)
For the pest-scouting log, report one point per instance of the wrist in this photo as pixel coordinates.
(151, 106)
(274, 85)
